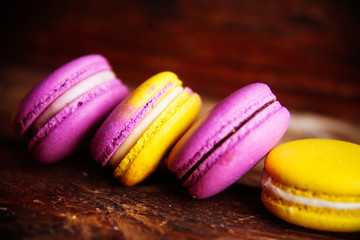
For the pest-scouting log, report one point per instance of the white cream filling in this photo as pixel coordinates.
(140, 129)
(71, 94)
(313, 202)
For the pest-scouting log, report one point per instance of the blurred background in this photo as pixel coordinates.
(308, 52)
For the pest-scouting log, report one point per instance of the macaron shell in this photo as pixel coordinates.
(157, 140)
(179, 153)
(319, 219)
(239, 154)
(53, 86)
(127, 115)
(68, 128)
(222, 119)
(317, 165)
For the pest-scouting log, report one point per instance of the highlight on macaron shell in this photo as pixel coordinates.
(65, 107)
(139, 132)
(314, 183)
(228, 141)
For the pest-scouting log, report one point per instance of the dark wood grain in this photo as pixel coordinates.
(78, 199)
(307, 51)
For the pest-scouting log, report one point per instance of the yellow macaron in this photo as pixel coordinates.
(314, 183)
(140, 130)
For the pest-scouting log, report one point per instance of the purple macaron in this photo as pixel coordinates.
(62, 109)
(229, 140)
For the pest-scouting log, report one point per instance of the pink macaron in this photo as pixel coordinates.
(63, 109)
(229, 140)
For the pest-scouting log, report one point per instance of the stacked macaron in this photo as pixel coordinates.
(314, 183)
(229, 140)
(58, 113)
(140, 131)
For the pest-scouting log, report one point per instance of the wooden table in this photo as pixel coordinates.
(307, 52)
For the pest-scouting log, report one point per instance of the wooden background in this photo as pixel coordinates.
(307, 51)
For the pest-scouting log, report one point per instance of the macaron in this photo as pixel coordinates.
(139, 132)
(61, 110)
(314, 183)
(229, 140)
